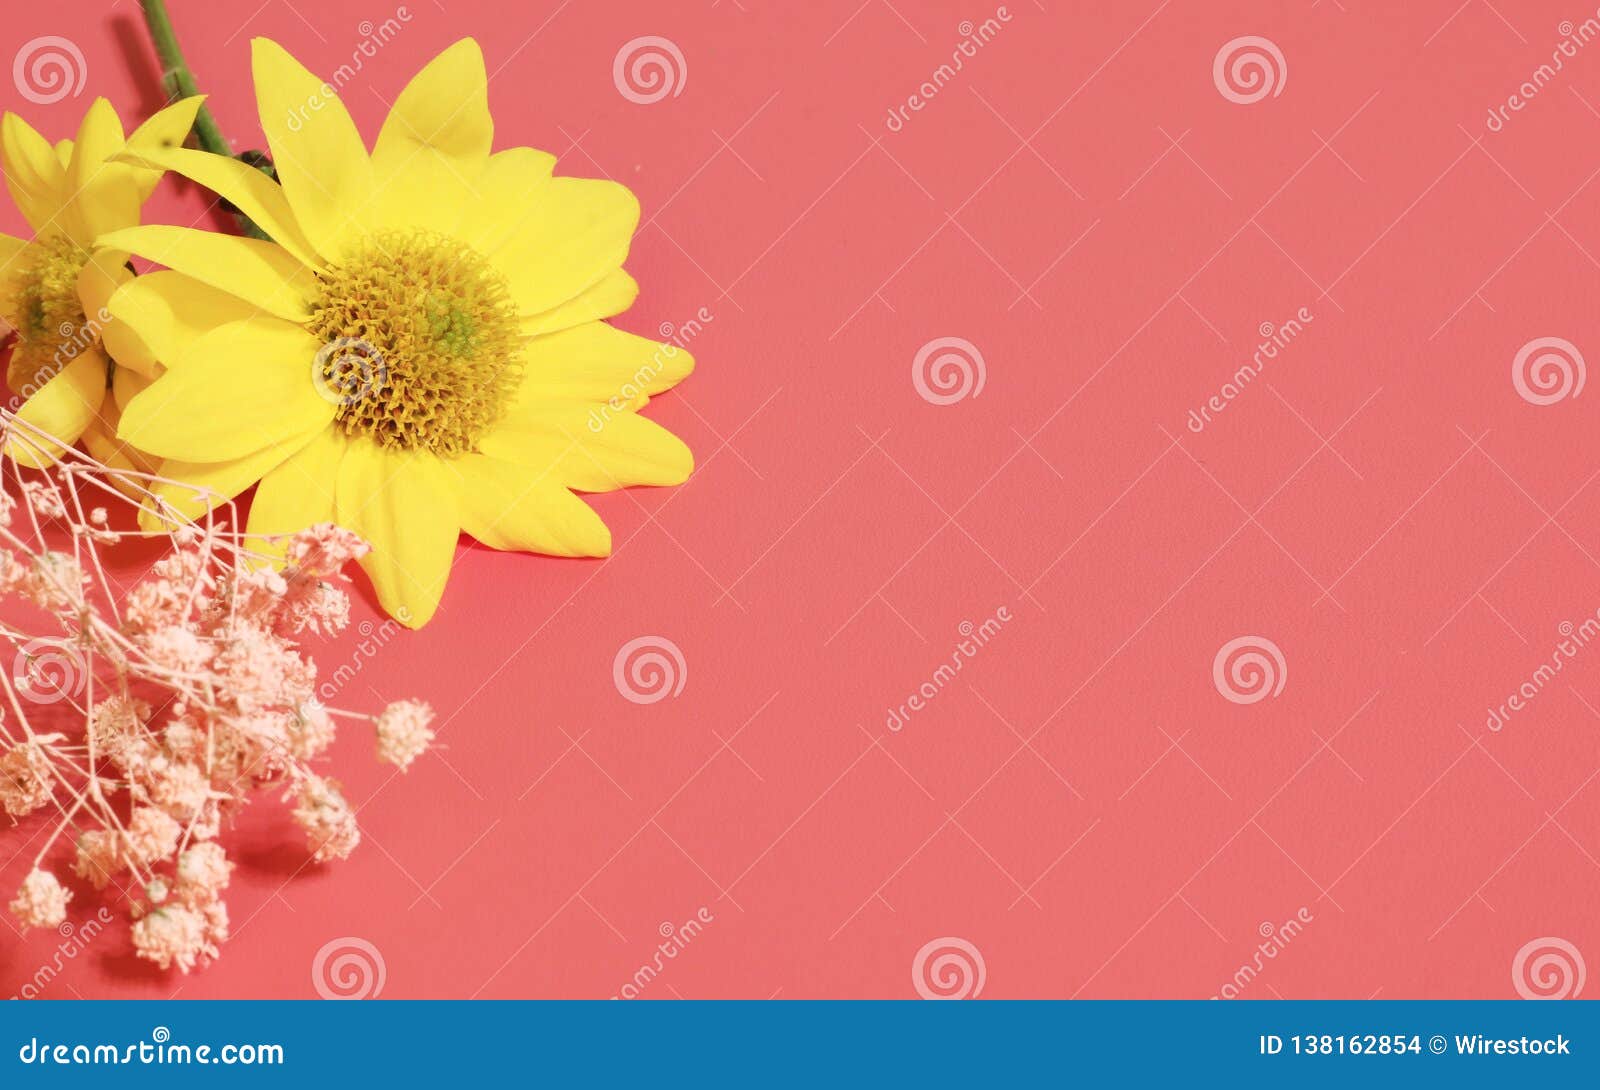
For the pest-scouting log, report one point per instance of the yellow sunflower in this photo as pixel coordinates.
(54, 288)
(421, 348)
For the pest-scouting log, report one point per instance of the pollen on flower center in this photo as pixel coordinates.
(44, 309)
(421, 348)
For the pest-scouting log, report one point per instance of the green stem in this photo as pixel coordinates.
(178, 81)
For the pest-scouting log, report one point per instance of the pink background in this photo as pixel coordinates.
(1081, 805)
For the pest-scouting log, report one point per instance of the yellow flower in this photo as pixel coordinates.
(420, 350)
(54, 288)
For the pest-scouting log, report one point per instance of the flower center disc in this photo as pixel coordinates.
(420, 345)
(46, 313)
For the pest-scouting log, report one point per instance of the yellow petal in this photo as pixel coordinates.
(598, 362)
(60, 409)
(508, 186)
(166, 128)
(10, 250)
(251, 191)
(435, 143)
(298, 493)
(100, 439)
(576, 231)
(234, 391)
(586, 448)
(190, 489)
(261, 273)
(445, 108)
(105, 196)
(507, 506)
(319, 155)
(404, 505)
(105, 272)
(574, 235)
(157, 315)
(614, 294)
(126, 384)
(36, 178)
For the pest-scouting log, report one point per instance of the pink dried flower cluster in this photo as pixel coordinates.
(169, 704)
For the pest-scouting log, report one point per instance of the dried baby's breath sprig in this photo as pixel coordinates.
(143, 716)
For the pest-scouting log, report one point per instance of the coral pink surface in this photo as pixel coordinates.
(1397, 512)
